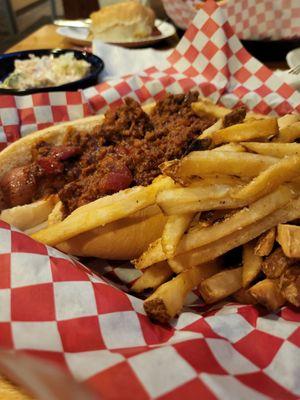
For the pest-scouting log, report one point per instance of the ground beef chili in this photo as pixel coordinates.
(126, 151)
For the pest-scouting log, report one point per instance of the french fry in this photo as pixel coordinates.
(123, 204)
(171, 207)
(219, 180)
(197, 238)
(230, 147)
(221, 285)
(288, 236)
(243, 296)
(200, 196)
(279, 150)
(256, 129)
(287, 120)
(251, 115)
(251, 264)
(152, 277)
(203, 163)
(284, 171)
(174, 229)
(152, 255)
(267, 293)
(290, 285)
(207, 107)
(288, 134)
(205, 136)
(275, 264)
(265, 243)
(247, 216)
(168, 299)
(193, 193)
(215, 249)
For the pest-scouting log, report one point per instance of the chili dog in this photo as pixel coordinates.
(65, 173)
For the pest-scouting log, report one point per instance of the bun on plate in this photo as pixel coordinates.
(128, 21)
(89, 187)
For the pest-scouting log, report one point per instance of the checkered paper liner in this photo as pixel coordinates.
(54, 307)
(251, 19)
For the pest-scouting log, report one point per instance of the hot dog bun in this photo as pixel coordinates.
(126, 21)
(125, 239)
(30, 215)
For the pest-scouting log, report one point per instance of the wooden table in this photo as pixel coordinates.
(44, 38)
(47, 38)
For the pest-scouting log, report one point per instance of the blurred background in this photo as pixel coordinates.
(19, 18)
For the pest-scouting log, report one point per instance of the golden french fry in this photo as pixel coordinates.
(279, 150)
(218, 180)
(171, 207)
(287, 120)
(152, 255)
(215, 249)
(251, 264)
(201, 237)
(288, 236)
(203, 163)
(275, 264)
(168, 299)
(284, 171)
(201, 192)
(265, 243)
(243, 296)
(290, 285)
(205, 136)
(288, 134)
(267, 293)
(247, 216)
(251, 115)
(193, 193)
(221, 285)
(205, 106)
(256, 129)
(122, 204)
(174, 229)
(152, 277)
(209, 194)
(230, 147)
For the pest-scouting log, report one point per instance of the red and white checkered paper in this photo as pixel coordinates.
(56, 308)
(251, 19)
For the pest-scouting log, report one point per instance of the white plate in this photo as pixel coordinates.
(82, 37)
(293, 58)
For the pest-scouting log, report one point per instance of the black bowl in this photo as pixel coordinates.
(7, 66)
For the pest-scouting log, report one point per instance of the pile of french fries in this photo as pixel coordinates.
(242, 192)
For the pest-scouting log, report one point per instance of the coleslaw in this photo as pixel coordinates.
(46, 71)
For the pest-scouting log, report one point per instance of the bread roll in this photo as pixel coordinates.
(123, 22)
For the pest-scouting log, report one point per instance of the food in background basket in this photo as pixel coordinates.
(121, 22)
(46, 71)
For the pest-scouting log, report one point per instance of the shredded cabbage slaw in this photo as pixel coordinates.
(46, 71)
